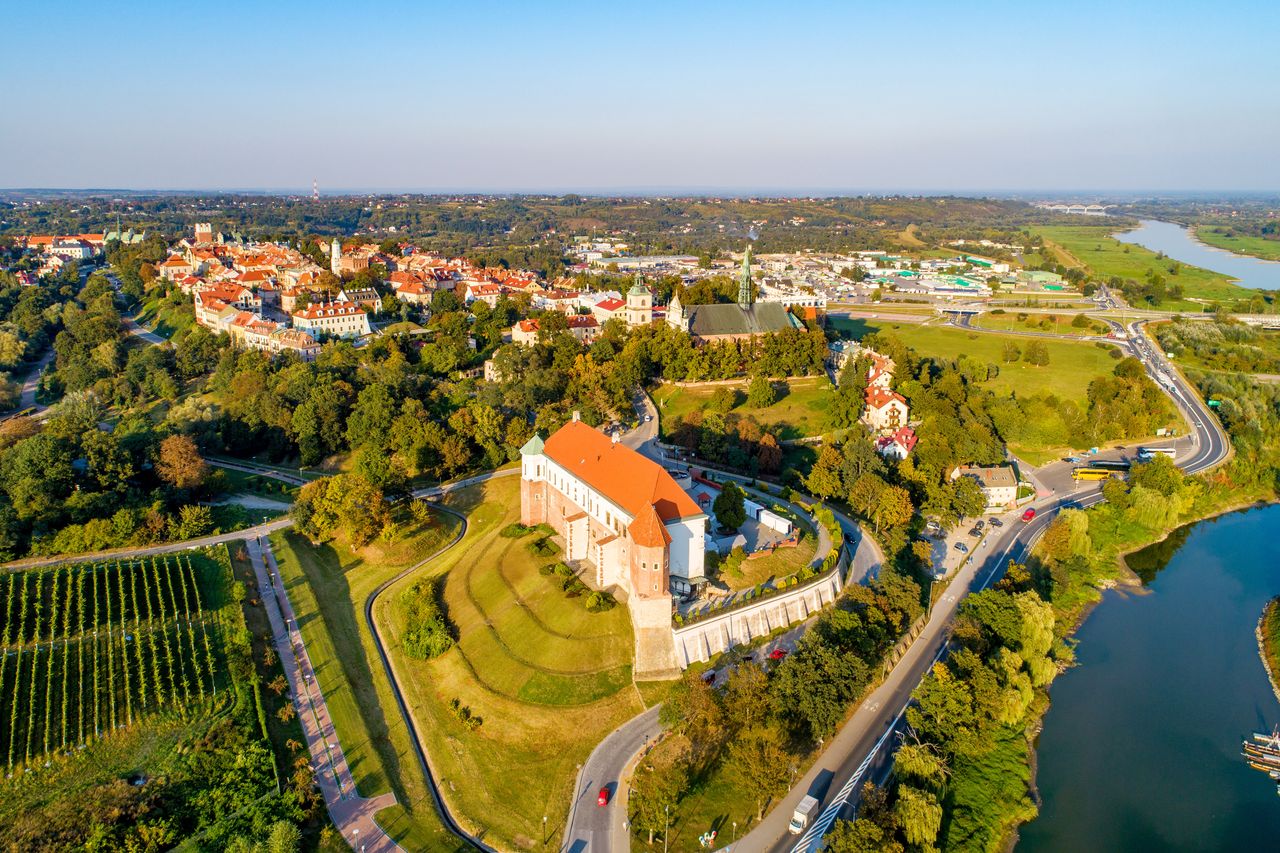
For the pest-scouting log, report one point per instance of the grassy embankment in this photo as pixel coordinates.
(1092, 248)
(1072, 366)
(166, 317)
(798, 413)
(1240, 244)
(1012, 320)
(548, 678)
(328, 585)
(1269, 642)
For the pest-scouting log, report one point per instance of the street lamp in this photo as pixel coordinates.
(735, 833)
(544, 830)
(666, 826)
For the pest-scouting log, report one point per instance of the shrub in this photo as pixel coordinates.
(427, 633)
(543, 547)
(546, 570)
(515, 530)
(599, 602)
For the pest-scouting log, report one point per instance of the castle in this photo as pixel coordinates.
(624, 516)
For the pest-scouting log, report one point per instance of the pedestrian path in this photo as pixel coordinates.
(352, 814)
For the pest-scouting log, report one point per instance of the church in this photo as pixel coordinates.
(745, 318)
(625, 517)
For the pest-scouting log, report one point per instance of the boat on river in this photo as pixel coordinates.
(1262, 752)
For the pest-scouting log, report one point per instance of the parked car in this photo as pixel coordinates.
(995, 522)
(602, 799)
(962, 548)
(777, 654)
(1029, 514)
(979, 524)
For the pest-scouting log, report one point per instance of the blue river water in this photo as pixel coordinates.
(1177, 242)
(1141, 748)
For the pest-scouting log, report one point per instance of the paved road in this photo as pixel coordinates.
(260, 470)
(601, 830)
(32, 382)
(863, 748)
(138, 332)
(352, 814)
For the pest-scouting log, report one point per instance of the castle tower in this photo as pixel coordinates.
(335, 256)
(746, 287)
(204, 232)
(675, 314)
(639, 304)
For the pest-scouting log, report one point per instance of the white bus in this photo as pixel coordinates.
(1146, 454)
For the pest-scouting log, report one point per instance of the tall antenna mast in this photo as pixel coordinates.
(315, 190)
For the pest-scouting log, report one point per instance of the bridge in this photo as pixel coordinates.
(1269, 322)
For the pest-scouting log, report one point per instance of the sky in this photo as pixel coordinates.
(699, 95)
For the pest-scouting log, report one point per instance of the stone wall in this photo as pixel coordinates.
(708, 637)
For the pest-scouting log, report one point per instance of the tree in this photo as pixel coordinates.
(1010, 352)
(746, 696)
(919, 814)
(759, 765)
(968, 499)
(729, 507)
(180, 464)
(656, 789)
(894, 508)
(824, 478)
(284, 838)
(761, 394)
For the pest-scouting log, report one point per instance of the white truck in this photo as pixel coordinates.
(801, 816)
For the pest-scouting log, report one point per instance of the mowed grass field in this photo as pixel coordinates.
(801, 412)
(1241, 244)
(1072, 364)
(327, 586)
(1013, 320)
(548, 678)
(1092, 247)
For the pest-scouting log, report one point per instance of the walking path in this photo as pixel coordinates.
(351, 813)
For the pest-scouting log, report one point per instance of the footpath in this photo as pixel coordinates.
(351, 813)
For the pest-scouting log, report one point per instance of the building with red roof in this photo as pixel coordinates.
(623, 517)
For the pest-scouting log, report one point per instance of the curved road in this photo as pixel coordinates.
(863, 748)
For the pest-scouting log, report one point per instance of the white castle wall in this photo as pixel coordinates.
(701, 640)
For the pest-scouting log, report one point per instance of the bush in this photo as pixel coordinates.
(427, 633)
(543, 547)
(599, 602)
(515, 530)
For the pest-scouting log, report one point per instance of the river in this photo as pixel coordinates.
(1177, 242)
(1141, 747)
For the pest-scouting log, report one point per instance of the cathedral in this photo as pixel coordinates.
(742, 319)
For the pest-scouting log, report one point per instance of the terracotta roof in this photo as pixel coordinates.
(619, 473)
(878, 398)
(329, 309)
(648, 530)
(610, 304)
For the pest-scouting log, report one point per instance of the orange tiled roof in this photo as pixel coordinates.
(878, 398)
(619, 473)
(648, 530)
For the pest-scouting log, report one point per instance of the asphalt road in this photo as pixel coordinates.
(600, 829)
(863, 748)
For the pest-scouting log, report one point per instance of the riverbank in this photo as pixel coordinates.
(1244, 246)
(1268, 632)
(1083, 592)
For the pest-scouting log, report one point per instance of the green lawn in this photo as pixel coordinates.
(1091, 246)
(1241, 244)
(1058, 324)
(800, 412)
(327, 586)
(1072, 365)
(548, 678)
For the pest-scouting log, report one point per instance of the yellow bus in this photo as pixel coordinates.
(1094, 473)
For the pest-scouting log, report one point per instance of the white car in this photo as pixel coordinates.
(648, 418)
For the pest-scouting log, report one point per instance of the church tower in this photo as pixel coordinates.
(639, 304)
(675, 314)
(746, 287)
(335, 256)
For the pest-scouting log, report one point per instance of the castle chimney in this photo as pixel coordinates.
(617, 436)
(577, 416)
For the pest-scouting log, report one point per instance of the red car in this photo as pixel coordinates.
(602, 799)
(1028, 515)
(777, 654)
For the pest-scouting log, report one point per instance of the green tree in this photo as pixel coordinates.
(919, 814)
(761, 393)
(759, 765)
(729, 507)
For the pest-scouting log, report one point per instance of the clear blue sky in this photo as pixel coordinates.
(694, 94)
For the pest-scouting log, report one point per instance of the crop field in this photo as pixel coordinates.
(95, 647)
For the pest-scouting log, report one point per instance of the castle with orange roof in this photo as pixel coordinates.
(623, 517)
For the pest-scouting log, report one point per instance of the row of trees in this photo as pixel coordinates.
(753, 732)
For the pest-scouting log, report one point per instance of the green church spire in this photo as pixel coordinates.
(746, 287)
